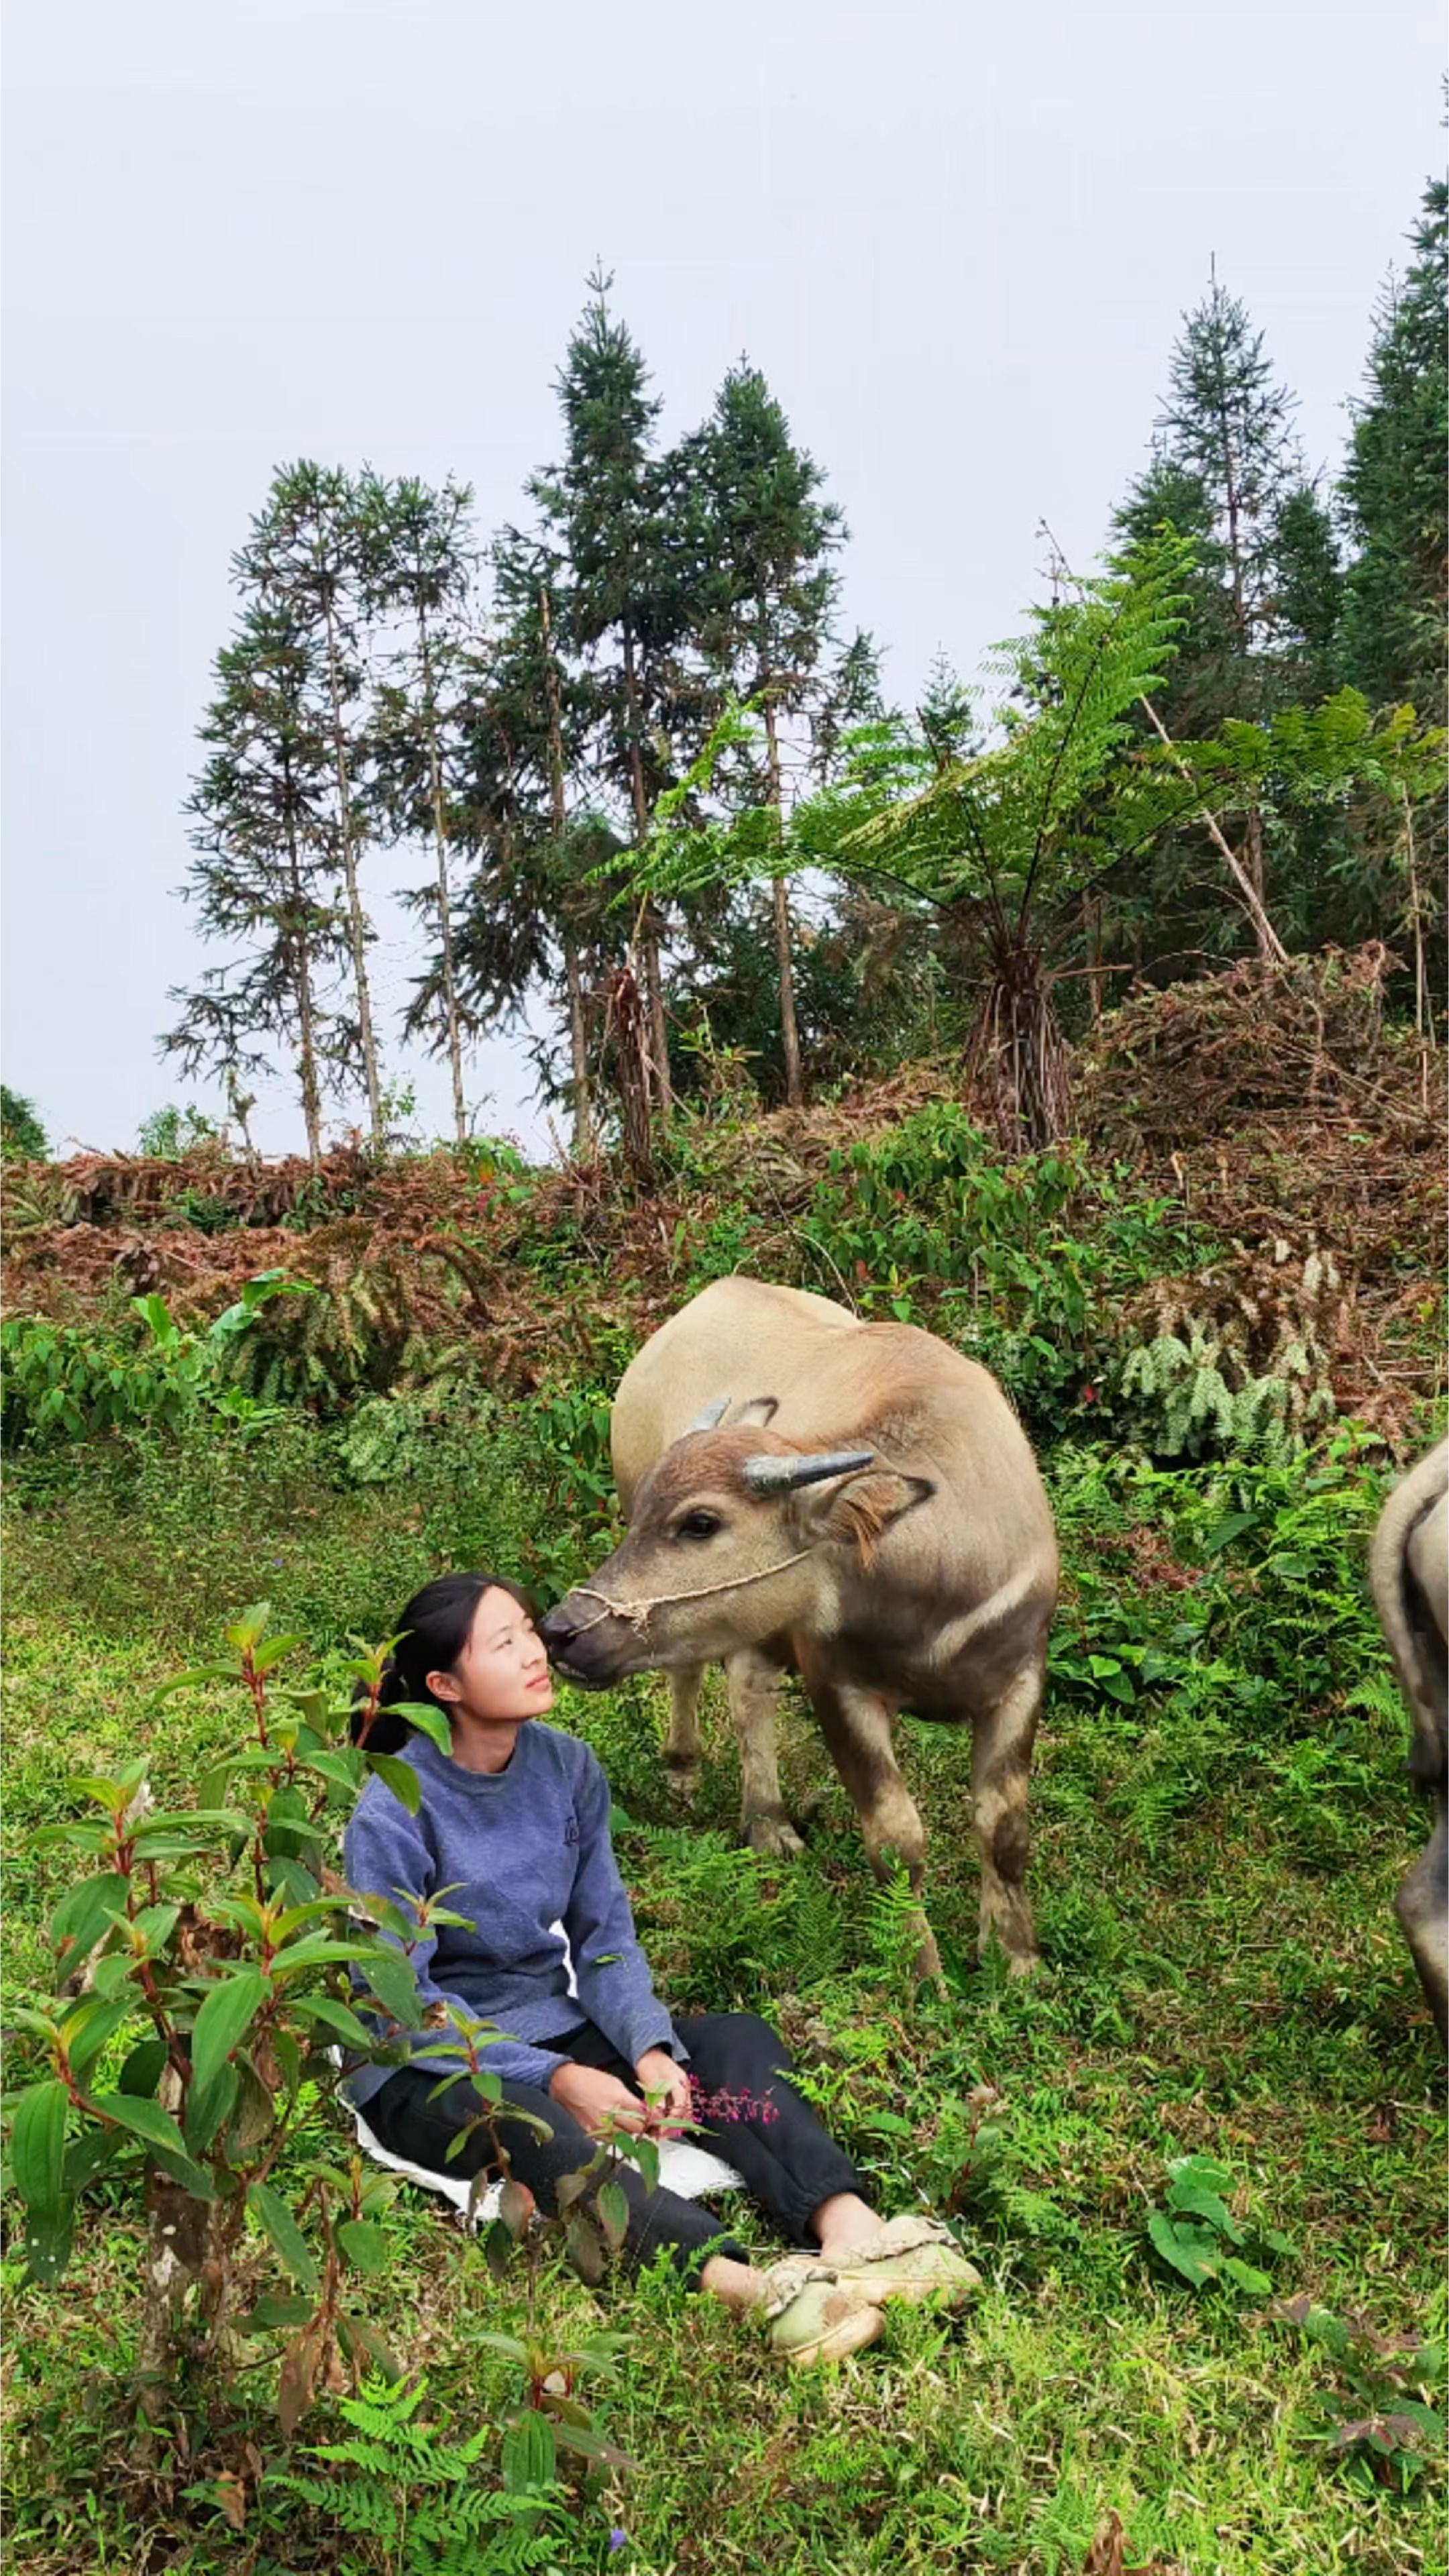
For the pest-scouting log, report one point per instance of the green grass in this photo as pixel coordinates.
(1220, 1819)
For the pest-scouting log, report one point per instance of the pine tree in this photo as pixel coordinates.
(1262, 603)
(306, 558)
(264, 828)
(850, 696)
(418, 558)
(768, 591)
(1393, 485)
(617, 515)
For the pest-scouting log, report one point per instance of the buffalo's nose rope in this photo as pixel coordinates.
(637, 1612)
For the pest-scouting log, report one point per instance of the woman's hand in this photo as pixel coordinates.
(660, 2076)
(598, 2102)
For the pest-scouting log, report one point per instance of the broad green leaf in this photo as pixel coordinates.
(273, 2314)
(396, 1988)
(84, 1916)
(250, 1628)
(429, 1721)
(1190, 2250)
(208, 2105)
(613, 2208)
(1245, 2275)
(271, 2213)
(399, 1776)
(314, 1907)
(274, 1650)
(158, 2131)
(225, 2017)
(152, 1928)
(530, 2454)
(48, 2236)
(360, 2336)
(84, 2033)
(506, 2344)
(88, 2156)
(21, 2018)
(339, 1770)
(1196, 2201)
(188, 1820)
(114, 1795)
(37, 2145)
(318, 1951)
(193, 1680)
(324, 2012)
(365, 2244)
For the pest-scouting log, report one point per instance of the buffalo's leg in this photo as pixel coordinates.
(857, 1729)
(754, 1684)
(1422, 1906)
(682, 1744)
(1001, 1742)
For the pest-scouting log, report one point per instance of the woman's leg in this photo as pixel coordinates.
(403, 2120)
(753, 2114)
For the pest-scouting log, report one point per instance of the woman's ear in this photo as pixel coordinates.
(445, 1686)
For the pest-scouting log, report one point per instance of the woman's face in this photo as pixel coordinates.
(502, 1674)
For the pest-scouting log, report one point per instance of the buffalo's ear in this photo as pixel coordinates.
(753, 1416)
(858, 1509)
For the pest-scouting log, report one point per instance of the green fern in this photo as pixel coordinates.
(394, 2480)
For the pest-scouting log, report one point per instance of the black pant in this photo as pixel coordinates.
(756, 2121)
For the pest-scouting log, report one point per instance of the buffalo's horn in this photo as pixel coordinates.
(711, 1418)
(767, 1475)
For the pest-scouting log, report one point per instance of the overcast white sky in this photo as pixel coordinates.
(957, 235)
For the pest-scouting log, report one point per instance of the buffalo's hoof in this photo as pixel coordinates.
(682, 1779)
(773, 1837)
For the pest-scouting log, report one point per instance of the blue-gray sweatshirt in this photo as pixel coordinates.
(518, 1850)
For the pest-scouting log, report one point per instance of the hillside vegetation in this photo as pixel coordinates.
(1215, 1306)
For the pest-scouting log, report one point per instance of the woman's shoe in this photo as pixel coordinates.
(913, 2258)
(813, 2316)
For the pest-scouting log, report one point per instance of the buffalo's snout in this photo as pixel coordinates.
(572, 1637)
(556, 1628)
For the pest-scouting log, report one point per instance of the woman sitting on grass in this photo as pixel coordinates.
(513, 1834)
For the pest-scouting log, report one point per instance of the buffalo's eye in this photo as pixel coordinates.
(699, 1525)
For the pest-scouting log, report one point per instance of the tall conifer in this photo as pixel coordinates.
(264, 829)
(768, 590)
(305, 557)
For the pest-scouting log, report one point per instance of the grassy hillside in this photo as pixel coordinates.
(1219, 1807)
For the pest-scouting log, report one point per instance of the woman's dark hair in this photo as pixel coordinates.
(433, 1632)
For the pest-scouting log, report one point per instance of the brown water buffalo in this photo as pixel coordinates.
(857, 1503)
(1409, 1571)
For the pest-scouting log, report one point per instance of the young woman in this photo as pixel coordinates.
(513, 1835)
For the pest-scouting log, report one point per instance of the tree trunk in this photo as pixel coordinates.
(1094, 958)
(1255, 872)
(789, 1031)
(445, 900)
(302, 985)
(578, 1054)
(653, 977)
(356, 919)
(578, 1026)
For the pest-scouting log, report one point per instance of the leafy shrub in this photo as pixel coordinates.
(1020, 1263)
(61, 1381)
(1198, 2236)
(22, 1137)
(171, 1133)
(205, 1978)
(1378, 2420)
